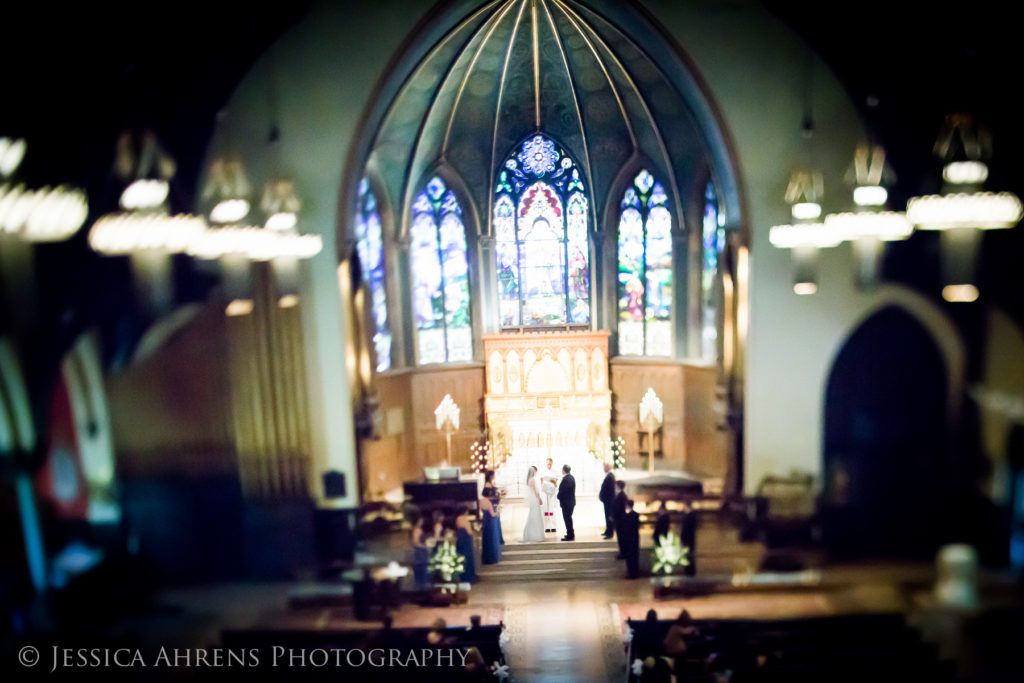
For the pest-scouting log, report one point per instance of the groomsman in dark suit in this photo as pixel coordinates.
(618, 512)
(567, 499)
(688, 537)
(661, 524)
(606, 496)
(629, 537)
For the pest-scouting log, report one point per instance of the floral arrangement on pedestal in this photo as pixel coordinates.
(446, 562)
(612, 450)
(642, 666)
(501, 671)
(670, 553)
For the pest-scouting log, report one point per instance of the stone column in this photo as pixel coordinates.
(682, 273)
(487, 304)
(330, 419)
(400, 316)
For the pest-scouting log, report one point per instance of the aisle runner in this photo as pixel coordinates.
(562, 643)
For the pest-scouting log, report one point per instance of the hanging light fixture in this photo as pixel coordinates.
(144, 225)
(280, 205)
(236, 239)
(807, 234)
(962, 203)
(228, 189)
(144, 228)
(44, 215)
(963, 210)
(869, 224)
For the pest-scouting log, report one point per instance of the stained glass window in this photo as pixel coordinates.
(542, 253)
(645, 269)
(712, 243)
(440, 277)
(370, 247)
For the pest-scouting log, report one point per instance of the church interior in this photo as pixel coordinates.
(571, 340)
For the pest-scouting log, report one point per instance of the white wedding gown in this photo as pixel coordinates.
(533, 532)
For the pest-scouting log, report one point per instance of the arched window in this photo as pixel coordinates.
(540, 225)
(370, 247)
(645, 270)
(440, 277)
(712, 244)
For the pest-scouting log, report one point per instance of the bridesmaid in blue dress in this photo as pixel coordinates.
(493, 493)
(490, 542)
(464, 545)
(422, 542)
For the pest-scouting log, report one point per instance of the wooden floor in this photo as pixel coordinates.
(563, 626)
(559, 630)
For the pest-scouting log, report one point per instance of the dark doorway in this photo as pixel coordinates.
(886, 441)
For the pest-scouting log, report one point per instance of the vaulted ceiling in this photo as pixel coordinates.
(515, 67)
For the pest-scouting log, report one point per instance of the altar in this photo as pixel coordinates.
(547, 395)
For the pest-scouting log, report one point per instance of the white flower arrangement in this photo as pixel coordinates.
(446, 561)
(670, 553)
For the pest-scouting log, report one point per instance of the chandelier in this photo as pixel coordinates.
(43, 215)
(144, 229)
(963, 210)
(228, 189)
(807, 234)
(869, 224)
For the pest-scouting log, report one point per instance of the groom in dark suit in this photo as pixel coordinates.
(567, 499)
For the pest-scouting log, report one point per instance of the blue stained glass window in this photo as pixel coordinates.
(542, 255)
(370, 248)
(645, 269)
(630, 198)
(712, 242)
(440, 277)
(539, 155)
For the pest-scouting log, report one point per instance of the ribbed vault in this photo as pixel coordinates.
(515, 67)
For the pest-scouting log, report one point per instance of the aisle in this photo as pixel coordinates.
(561, 631)
(565, 636)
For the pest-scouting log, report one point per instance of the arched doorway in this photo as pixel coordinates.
(886, 440)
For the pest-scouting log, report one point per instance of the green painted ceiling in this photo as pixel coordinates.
(515, 67)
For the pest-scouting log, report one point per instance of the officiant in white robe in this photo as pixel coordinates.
(549, 491)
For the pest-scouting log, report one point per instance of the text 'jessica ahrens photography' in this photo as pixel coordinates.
(274, 657)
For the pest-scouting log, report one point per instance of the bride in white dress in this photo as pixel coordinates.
(533, 532)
